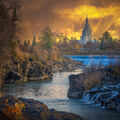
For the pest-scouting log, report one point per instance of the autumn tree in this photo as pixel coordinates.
(47, 38)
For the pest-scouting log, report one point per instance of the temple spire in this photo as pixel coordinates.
(87, 21)
(86, 33)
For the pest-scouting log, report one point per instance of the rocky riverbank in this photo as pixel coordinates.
(12, 108)
(100, 87)
(67, 64)
(22, 70)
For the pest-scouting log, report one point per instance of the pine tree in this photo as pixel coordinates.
(34, 41)
(25, 44)
(29, 43)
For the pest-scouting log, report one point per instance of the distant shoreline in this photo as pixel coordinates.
(100, 52)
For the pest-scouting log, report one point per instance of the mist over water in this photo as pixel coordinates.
(54, 94)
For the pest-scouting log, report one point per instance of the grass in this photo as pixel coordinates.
(92, 79)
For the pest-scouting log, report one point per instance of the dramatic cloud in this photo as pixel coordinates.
(68, 16)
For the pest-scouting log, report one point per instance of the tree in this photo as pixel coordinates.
(4, 26)
(39, 38)
(29, 43)
(47, 38)
(106, 41)
(8, 30)
(34, 41)
(25, 44)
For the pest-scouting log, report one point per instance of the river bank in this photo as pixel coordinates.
(29, 109)
(92, 52)
(24, 70)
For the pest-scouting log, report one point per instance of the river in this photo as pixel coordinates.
(54, 94)
(103, 60)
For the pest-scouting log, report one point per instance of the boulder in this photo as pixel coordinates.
(28, 109)
(76, 89)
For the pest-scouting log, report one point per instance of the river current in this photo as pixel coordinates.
(54, 94)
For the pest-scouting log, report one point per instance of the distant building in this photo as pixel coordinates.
(86, 34)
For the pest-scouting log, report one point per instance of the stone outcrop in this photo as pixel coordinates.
(12, 108)
(22, 70)
(104, 95)
(17, 71)
(104, 92)
(77, 88)
(82, 82)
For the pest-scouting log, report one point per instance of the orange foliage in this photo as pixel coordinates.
(14, 110)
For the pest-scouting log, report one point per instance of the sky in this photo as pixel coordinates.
(68, 16)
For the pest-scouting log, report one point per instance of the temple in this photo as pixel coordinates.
(86, 33)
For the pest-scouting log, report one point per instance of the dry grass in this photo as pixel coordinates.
(92, 79)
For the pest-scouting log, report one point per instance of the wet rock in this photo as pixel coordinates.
(104, 95)
(29, 109)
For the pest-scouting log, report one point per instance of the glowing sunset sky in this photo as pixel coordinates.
(68, 16)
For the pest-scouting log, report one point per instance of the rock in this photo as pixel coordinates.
(18, 70)
(39, 71)
(29, 109)
(106, 93)
(118, 107)
(3, 116)
(12, 77)
(75, 94)
(76, 89)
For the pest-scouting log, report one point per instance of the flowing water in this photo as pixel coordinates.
(103, 60)
(54, 94)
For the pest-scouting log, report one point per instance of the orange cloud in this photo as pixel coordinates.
(106, 17)
(86, 10)
(68, 16)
